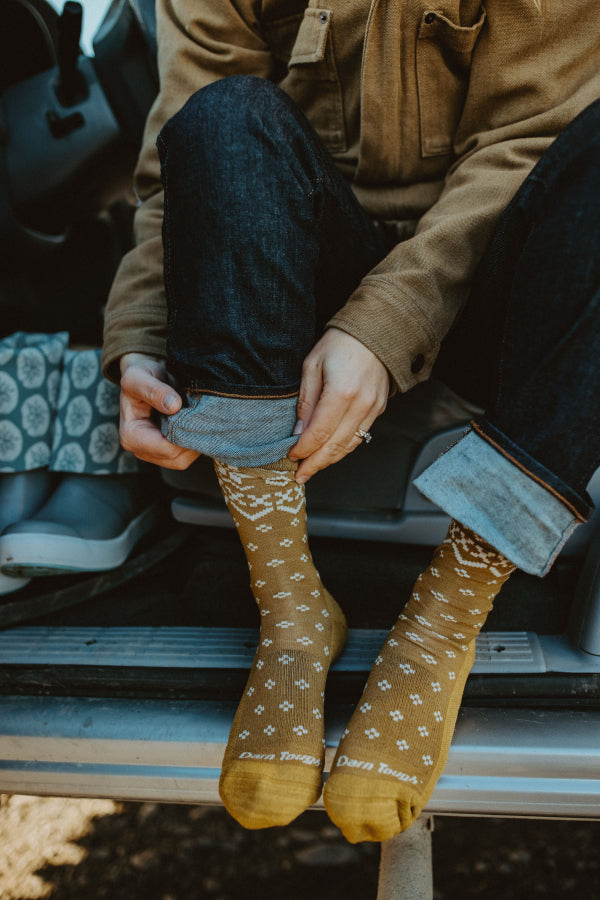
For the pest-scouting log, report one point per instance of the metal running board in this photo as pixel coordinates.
(498, 652)
(509, 651)
(502, 762)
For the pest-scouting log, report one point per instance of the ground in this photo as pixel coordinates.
(71, 849)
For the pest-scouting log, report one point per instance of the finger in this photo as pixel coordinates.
(327, 416)
(344, 440)
(139, 384)
(145, 441)
(311, 388)
(142, 437)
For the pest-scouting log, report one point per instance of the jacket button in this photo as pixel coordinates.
(430, 18)
(323, 18)
(417, 363)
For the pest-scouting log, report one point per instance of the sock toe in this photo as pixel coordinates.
(373, 815)
(258, 796)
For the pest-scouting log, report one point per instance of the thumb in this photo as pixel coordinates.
(140, 385)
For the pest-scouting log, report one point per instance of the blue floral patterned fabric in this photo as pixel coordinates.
(86, 429)
(30, 372)
(57, 409)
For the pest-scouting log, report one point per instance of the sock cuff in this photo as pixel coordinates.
(493, 558)
(282, 465)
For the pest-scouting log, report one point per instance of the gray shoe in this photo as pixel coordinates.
(90, 523)
(21, 495)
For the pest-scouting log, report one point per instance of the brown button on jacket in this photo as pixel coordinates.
(435, 112)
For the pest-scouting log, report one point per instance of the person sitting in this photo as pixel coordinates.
(337, 191)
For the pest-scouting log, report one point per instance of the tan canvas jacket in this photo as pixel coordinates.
(435, 112)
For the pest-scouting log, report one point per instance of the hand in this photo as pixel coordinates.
(145, 387)
(344, 387)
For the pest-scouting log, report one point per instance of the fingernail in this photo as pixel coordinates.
(298, 427)
(301, 479)
(170, 402)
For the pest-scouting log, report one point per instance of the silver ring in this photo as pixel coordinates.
(366, 436)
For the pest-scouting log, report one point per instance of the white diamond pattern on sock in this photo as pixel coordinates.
(287, 749)
(406, 718)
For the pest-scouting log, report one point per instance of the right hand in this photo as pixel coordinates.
(145, 387)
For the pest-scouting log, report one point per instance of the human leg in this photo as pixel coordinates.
(396, 744)
(263, 240)
(272, 766)
(260, 228)
(519, 476)
(517, 480)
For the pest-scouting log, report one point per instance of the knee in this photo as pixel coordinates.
(222, 112)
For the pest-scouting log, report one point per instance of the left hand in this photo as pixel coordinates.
(145, 386)
(344, 387)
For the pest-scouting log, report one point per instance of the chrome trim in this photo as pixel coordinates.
(502, 762)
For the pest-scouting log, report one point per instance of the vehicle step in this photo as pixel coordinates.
(498, 652)
(502, 762)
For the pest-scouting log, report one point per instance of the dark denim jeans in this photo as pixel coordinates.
(264, 241)
(526, 347)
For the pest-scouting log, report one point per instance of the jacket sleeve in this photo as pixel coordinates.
(194, 49)
(529, 78)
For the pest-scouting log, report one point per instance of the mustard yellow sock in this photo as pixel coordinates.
(272, 768)
(397, 741)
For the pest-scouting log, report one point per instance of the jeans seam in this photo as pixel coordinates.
(478, 430)
(318, 182)
(529, 205)
(212, 393)
(557, 546)
(502, 349)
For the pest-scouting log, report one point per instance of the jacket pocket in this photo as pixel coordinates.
(444, 53)
(313, 81)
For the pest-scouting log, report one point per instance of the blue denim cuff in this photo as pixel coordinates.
(486, 492)
(240, 432)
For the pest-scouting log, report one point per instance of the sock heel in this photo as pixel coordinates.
(339, 627)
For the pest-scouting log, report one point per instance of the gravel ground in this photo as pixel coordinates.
(71, 849)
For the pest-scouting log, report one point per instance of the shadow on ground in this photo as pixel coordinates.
(160, 852)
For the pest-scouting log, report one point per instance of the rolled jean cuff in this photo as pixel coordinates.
(240, 432)
(481, 488)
